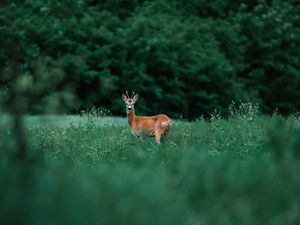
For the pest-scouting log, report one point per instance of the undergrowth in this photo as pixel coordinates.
(243, 169)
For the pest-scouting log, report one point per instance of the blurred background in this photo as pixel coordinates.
(185, 58)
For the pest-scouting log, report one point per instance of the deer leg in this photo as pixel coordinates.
(157, 136)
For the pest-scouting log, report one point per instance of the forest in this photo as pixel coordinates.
(185, 58)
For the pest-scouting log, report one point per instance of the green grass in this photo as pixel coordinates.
(91, 170)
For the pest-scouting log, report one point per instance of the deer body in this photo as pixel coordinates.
(157, 125)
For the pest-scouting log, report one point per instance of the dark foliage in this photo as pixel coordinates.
(186, 58)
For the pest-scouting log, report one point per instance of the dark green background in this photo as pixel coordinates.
(185, 58)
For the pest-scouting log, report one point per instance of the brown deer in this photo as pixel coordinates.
(157, 125)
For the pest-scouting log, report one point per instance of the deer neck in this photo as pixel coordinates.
(131, 116)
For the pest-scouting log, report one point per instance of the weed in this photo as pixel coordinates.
(238, 170)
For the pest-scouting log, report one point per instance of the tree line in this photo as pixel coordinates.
(185, 58)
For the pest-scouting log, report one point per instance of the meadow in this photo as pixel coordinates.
(89, 169)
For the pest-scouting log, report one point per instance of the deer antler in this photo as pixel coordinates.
(133, 93)
(127, 95)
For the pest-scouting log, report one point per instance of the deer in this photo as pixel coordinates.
(141, 126)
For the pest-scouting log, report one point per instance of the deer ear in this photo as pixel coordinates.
(124, 98)
(135, 97)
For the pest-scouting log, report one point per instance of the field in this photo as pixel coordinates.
(89, 169)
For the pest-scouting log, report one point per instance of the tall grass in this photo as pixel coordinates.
(239, 170)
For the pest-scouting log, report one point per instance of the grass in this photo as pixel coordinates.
(91, 170)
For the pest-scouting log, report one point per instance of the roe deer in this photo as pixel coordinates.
(157, 125)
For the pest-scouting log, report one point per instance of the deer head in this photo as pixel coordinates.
(130, 101)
